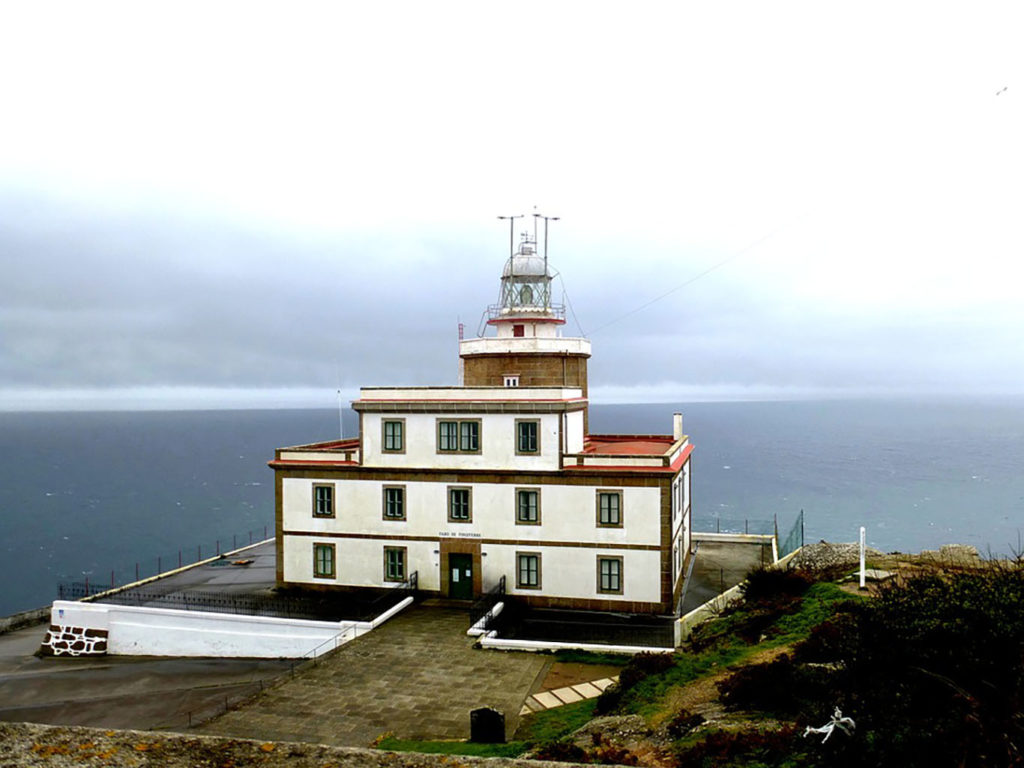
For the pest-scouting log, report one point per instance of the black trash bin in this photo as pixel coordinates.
(487, 726)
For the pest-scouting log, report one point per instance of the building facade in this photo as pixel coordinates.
(497, 477)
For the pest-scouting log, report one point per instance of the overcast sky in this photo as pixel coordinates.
(207, 202)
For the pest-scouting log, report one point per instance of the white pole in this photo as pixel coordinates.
(862, 572)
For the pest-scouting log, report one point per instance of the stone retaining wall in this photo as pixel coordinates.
(74, 641)
(28, 744)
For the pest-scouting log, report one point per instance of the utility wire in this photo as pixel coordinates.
(568, 301)
(693, 279)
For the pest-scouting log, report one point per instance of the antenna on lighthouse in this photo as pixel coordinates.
(511, 233)
(546, 220)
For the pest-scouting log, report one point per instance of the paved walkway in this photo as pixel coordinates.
(119, 691)
(569, 694)
(720, 565)
(417, 676)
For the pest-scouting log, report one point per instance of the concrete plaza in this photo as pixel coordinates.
(417, 676)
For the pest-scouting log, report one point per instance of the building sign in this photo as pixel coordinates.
(458, 535)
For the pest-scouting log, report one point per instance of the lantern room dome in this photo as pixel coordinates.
(526, 263)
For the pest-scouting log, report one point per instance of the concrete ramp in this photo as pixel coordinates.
(721, 561)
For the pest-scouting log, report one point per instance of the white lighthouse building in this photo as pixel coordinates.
(497, 477)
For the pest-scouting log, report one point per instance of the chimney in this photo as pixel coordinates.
(677, 426)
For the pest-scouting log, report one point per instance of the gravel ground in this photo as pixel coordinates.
(28, 744)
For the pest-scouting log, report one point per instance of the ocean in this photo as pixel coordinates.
(85, 494)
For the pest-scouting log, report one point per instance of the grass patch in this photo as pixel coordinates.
(472, 749)
(553, 724)
(821, 601)
(727, 647)
(574, 656)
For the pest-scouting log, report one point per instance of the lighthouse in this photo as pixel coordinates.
(527, 348)
(494, 484)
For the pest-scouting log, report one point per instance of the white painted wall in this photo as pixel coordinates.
(526, 344)
(145, 631)
(360, 562)
(497, 442)
(568, 512)
(574, 431)
(447, 394)
(572, 572)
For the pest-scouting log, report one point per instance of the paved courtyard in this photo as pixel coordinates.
(416, 676)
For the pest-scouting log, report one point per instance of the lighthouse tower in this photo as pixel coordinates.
(527, 349)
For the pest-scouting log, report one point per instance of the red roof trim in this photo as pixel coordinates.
(496, 320)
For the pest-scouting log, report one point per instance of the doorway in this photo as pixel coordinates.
(460, 576)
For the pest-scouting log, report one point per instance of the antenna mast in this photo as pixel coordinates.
(547, 293)
(511, 233)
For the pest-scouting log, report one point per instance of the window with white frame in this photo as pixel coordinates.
(323, 500)
(609, 508)
(458, 435)
(394, 563)
(527, 436)
(609, 575)
(394, 502)
(460, 505)
(323, 561)
(528, 506)
(528, 570)
(393, 435)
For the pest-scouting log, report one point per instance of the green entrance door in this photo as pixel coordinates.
(460, 577)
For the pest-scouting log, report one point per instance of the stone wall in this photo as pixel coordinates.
(66, 640)
(64, 747)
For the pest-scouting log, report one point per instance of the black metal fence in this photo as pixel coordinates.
(520, 622)
(484, 604)
(291, 603)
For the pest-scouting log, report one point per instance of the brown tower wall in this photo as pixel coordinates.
(534, 370)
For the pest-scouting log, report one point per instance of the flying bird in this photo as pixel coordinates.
(1004, 88)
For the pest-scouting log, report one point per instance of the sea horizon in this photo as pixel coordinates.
(84, 493)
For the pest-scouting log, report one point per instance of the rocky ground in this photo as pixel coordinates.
(25, 744)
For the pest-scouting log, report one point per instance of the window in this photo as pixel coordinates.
(461, 436)
(609, 575)
(527, 570)
(511, 381)
(323, 561)
(460, 507)
(527, 506)
(393, 438)
(394, 563)
(323, 500)
(527, 435)
(518, 331)
(394, 502)
(609, 509)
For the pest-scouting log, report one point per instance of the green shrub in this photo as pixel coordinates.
(729, 749)
(780, 687)
(640, 667)
(772, 584)
(561, 752)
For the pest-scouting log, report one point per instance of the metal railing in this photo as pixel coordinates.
(734, 525)
(486, 602)
(295, 603)
(794, 539)
(585, 627)
(156, 565)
